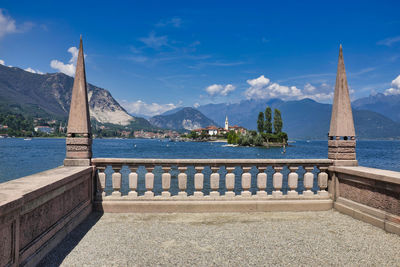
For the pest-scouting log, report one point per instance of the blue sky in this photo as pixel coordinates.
(156, 55)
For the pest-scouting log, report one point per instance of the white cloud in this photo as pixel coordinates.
(1, 62)
(395, 90)
(262, 88)
(389, 41)
(142, 108)
(68, 68)
(154, 41)
(196, 105)
(227, 89)
(309, 88)
(8, 25)
(259, 82)
(219, 89)
(33, 71)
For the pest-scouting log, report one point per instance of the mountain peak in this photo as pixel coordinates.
(186, 118)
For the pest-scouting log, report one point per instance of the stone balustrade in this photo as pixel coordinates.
(185, 179)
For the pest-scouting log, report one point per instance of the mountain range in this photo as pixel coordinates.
(388, 105)
(49, 96)
(182, 119)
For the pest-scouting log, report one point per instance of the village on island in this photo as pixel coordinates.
(268, 134)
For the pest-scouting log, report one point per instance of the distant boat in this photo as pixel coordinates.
(308, 141)
(230, 145)
(28, 139)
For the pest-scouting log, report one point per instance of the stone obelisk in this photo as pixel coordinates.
(79, 136)
(342, 143)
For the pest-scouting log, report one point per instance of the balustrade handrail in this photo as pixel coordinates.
(210, 162)
(243, 190)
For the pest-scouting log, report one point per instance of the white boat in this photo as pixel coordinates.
(27, 139)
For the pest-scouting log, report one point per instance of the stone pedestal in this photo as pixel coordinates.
(79, 151)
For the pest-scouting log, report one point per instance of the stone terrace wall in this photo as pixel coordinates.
(37, 211)
(368, 194)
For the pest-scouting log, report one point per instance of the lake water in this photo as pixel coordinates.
(20, 158)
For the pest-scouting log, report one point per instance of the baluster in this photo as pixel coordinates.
(323, 181)
(277, 179)
(116, 180)
(230, 182)
(214, 182)
(102, 182)
(293, 180)
(261, 182)
(166, 181)
(133, 180)
(246, 182)
(198, 182)
(308, 181)
(182, 181)
(149, 182)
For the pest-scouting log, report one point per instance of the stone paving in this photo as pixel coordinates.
(226, 239)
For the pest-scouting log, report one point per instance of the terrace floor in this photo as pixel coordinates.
(226, 239)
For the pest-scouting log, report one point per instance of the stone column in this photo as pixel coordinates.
(133, 180)
(182, 181)
(214, 182)
(277, 179)
(116, 180)
(230, 182)
(323, 181)
(293, 180)
(198, 182)
(262, 182)
(308, 181)
(79, 135)
(246, 182)
(342, 143)
(166, 181)
(149, 182)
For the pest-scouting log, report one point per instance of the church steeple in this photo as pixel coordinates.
(226, 123)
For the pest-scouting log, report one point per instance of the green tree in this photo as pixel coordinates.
(268, 118)
(258, 141)
(232, 138)
(192, 135)
(260, 122)
(278, 124)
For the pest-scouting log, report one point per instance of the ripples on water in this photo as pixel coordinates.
(20, 158)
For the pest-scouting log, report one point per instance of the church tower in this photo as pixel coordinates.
(226, 123)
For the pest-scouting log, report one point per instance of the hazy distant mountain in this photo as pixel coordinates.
(183, 119)
(303, 119)
(387, 105)
(172, 111)
(49, 96)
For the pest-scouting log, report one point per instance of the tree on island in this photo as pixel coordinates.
(264, 136)
(260, 122)
(278, 124)
(268, 118)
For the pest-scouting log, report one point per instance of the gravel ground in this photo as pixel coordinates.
(226, 239)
